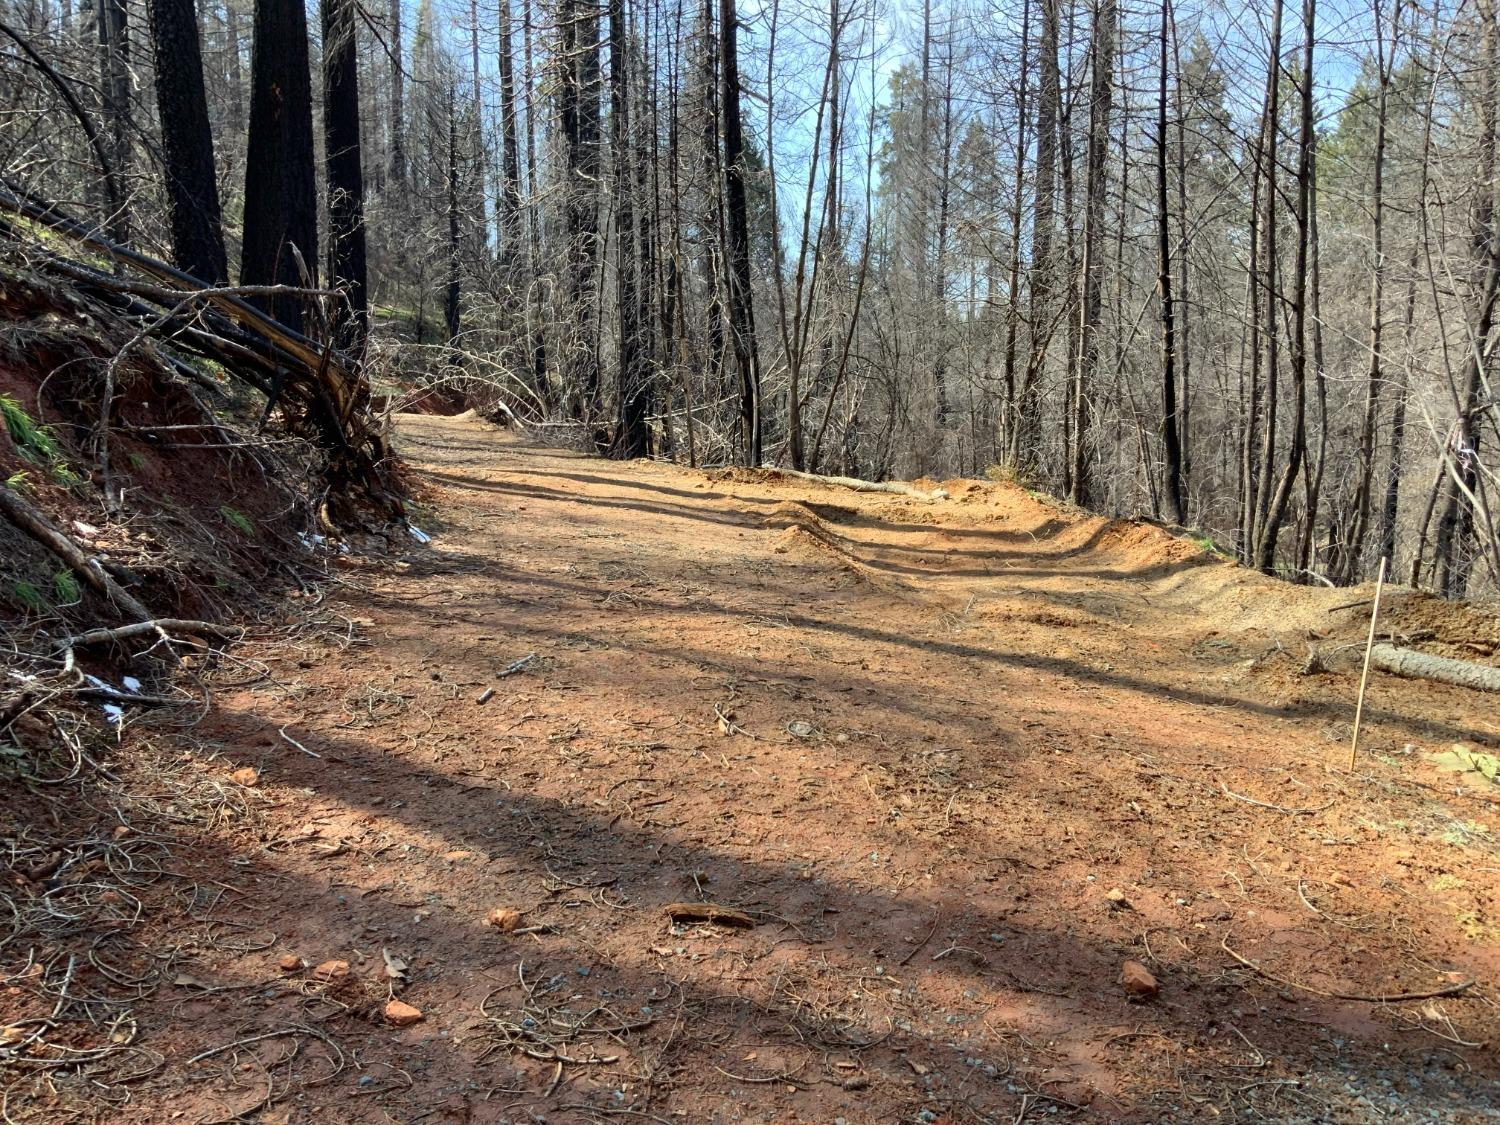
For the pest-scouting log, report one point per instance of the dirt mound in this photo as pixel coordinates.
(1212, 594)
(1455, 629)
(1148, 546)
(1052, 617)
(735, 474)
(806, 534)
(802, 529)
(806, 539)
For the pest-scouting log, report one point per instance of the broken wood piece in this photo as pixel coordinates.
(1424, 666)
(708, 912)
(294, 744)
(516, 666)
(485, 696)
(1228, 792)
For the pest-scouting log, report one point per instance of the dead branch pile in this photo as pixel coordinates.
(316, 391)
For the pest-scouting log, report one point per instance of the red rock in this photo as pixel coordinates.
(400, 1014)
(332, 970)
(289, 963)
(247, 776)
(1138, 982)
(503, 918)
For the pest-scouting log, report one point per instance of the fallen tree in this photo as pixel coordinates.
(854, 484)
(25, 516)
(1424, 666)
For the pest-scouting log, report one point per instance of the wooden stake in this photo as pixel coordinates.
(1364, 678)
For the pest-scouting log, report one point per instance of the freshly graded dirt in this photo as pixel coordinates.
(958, 761)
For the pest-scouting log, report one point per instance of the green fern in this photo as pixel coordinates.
(36, 442)
(237, 519)
(28, 595)
(65, 586)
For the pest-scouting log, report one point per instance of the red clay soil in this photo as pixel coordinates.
(956, 762)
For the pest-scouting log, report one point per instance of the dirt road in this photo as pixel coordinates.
(957, 760)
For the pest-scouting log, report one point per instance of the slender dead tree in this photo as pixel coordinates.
(112, 28)
(1262, 312)
(453, 287)
(346, 181)
(1346, 563)
(741, 308)
(1026, 439)
(630, 433)
(1171, 443)
(510, 159)
(1265, 550)
(578, 114)
(398, 99)
(1091, 272)
(1454, 546)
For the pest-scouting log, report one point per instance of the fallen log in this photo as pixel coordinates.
(854, 484)
(1424, 666)
(708, 912)
(27, 518)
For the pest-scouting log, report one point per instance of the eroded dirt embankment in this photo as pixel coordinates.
(957, 761)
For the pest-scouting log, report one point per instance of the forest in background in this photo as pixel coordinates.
(1235, 267)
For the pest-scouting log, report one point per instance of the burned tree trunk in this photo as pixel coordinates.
(741, 309)
(630, 436)
(346, 181)
(1453, 553)
(1172, 445)
(187, 142)
(1102, 56)
(281, 198)
(578, 112)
